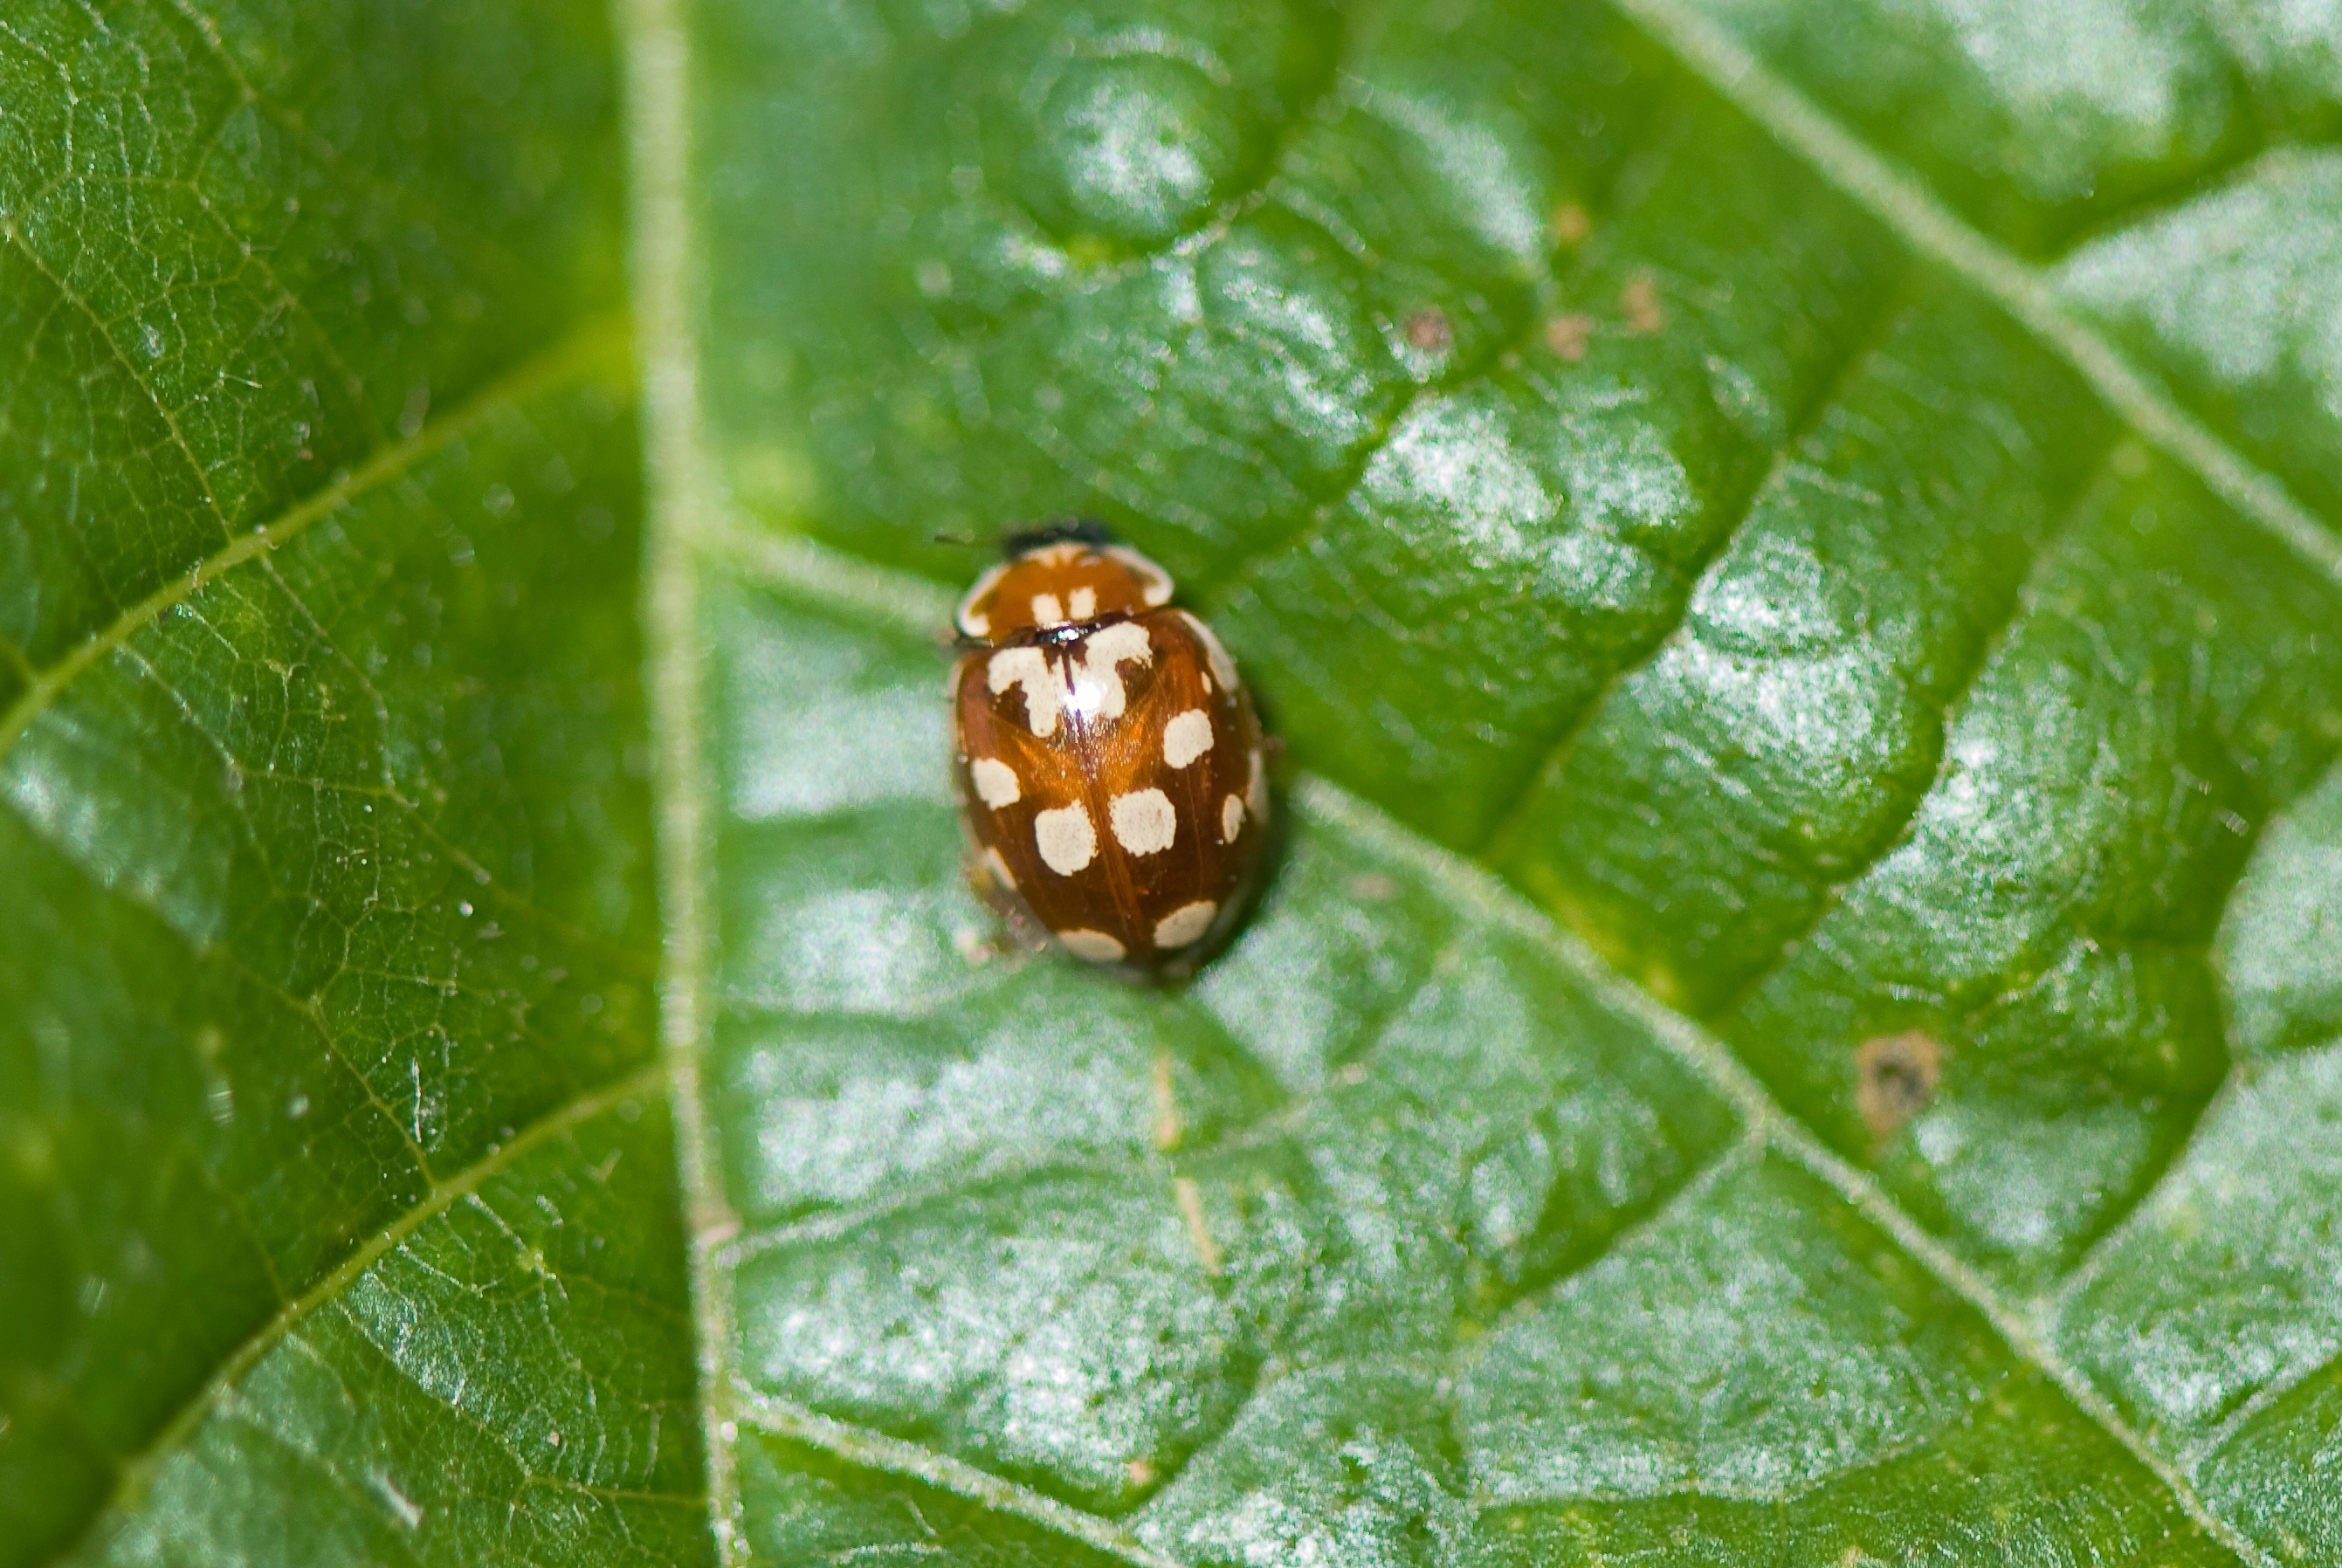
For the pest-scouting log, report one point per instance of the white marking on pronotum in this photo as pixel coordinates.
(1185, 923)
(995, 781)
(1143, 821)
(1029, 668)
(1066, 838)
(1188, 736)
(998, 868)
(1231, 818)
(1224, 669)
(1155, 582)
(1094, 945)
(1046, 611)
(971, 621)
(1081, 603)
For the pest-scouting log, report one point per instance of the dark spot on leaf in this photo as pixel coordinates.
(1427, 330)
(1896, 1077)
(1567, 335)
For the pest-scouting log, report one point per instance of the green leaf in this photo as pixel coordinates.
(1792, 549)
(336, 1198)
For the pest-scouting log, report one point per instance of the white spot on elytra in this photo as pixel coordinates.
(1094, 945)
(995, 781)
(1097, 691)
(1185, 923)
(1231, 818)
(1046, 611)
(1066, 838)
(1224, 669)
(1188, 736)
(1089, 685)
(1029, 668)
(1082, 603)
(1143, 821)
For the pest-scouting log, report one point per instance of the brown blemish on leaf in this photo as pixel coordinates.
(1191, 1209)
(1567, 336)
(1570, 224)
(1895, 1076)
(1428, 330)
(1139, 1473)
(1638, 301)
(1374, 886)
(1168, 1131)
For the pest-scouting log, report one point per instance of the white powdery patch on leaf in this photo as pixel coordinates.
(2246, 281)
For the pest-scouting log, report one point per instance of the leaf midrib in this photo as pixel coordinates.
(657, 129)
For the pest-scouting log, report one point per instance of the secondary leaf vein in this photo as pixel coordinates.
(140, 1469)
(1932, 228)
(592, 345)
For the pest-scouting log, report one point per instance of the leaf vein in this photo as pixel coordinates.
(1933, 229)
(876, 1451)
(657, 54)
(1554, 754)
(103, 329)
(588, 346)
(139, 1470)
(1707, 1055)
(1988, 648)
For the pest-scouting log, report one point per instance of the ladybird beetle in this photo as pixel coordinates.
(1110, 769)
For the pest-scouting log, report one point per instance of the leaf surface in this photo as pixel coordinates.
(1791, 549)
(337, 1214)
(1825, 505)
